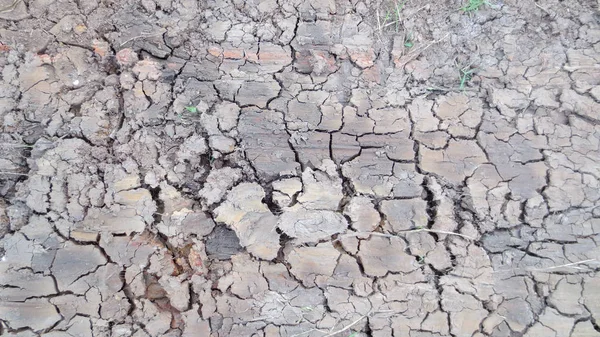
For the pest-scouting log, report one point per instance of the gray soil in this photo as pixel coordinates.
(299, 168)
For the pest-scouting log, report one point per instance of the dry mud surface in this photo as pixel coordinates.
(299, 168)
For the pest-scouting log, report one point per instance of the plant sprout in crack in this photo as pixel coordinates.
(465, 74)
(474, 5)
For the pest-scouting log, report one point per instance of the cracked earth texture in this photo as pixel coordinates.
(299, 168)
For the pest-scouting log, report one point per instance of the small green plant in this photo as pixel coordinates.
(191, 109)
(465, 75)
(354, 334)
(392, 16)
(408, 42)
(189, 115)
(474, 5)
(397, 9)
(388, 16)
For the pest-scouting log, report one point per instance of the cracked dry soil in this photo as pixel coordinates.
(299, 168)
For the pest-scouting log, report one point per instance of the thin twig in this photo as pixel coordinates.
(575, 68)
(409, 232)
(552, 15)
(347, 327)
(430, 44)
(141, 36)
(398, 10)
(566, 265)
(387, 25)
(15, 145)
(16, 174)
(10, 7)
(448, 233)
(434, 88)
(353, 323)
(549, 269)
(397, 21)
(446, 89)
(307, 332)
(412, 55)
(415, 12)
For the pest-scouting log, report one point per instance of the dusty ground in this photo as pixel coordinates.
(299, 168)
